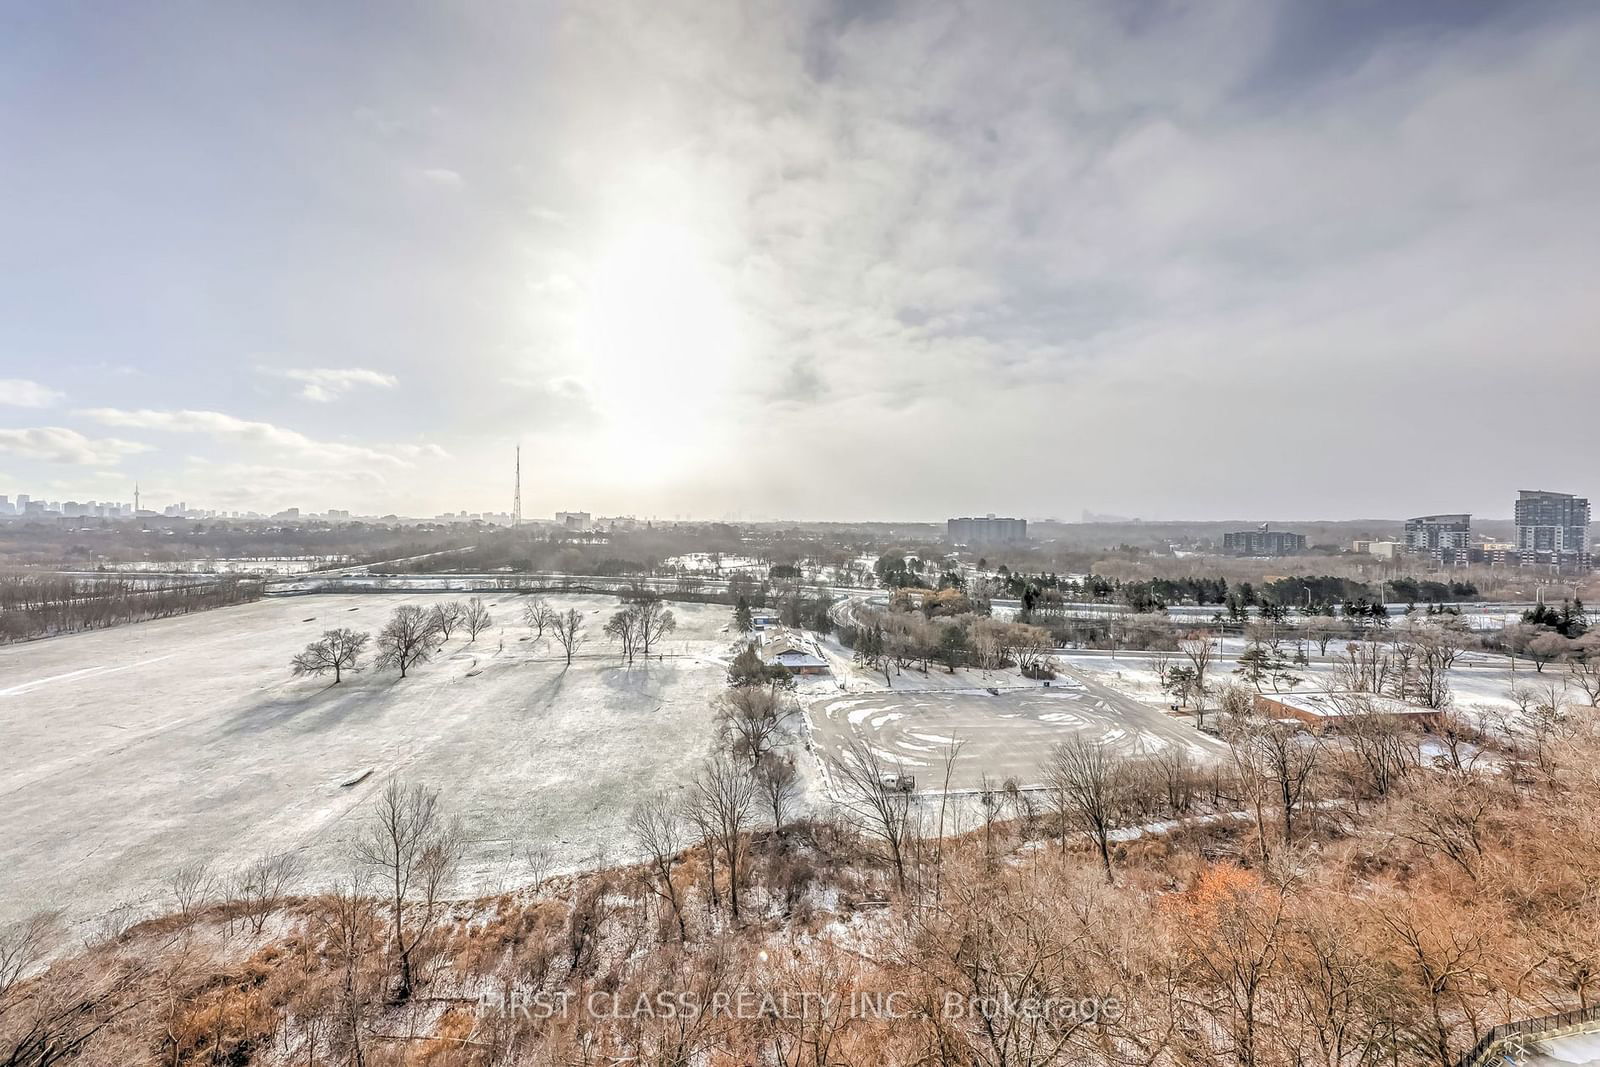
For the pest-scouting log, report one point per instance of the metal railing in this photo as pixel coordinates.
(1545, 1024)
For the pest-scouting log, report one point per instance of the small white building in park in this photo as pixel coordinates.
(793, 652)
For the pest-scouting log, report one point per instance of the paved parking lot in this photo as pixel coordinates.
(1006, 735)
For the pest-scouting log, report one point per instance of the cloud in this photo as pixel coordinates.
(427, 451)
(325, 384)
(21, 393)
(1034, 229)
(268, 486)
(939, 243)
(225, 427)
(57, 444)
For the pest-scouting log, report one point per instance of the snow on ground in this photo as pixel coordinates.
(132, 751)
(718, 564)
(1480, 683)
(1005, 734)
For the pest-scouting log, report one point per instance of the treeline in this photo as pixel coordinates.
(636, 552)
(793, 604)
(89, 543)
(1315, 595)
(45, 605)
(902, 639)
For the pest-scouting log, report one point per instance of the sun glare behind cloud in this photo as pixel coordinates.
(660, 333)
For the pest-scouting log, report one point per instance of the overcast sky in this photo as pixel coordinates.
(810, 260)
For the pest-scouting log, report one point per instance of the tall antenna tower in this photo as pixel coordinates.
(136, 498)
(516, 500)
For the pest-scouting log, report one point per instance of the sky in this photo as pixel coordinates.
(802, 259)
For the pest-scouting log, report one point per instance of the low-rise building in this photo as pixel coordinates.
(1324, 711)
(799, 654)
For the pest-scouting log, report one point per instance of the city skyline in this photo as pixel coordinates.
(10, 504)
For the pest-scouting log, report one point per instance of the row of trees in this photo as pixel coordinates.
(639, 625)
(1308, 594)
(889, 639)
(412, 635)
(43, 605)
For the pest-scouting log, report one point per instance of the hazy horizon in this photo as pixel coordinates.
(811, 259)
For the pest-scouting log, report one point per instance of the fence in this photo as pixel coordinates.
(1546, 1024)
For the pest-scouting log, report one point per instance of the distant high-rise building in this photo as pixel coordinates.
(1552, 528)
(1442, 538)
(987, 530)
(1263, 541)
(576, 521)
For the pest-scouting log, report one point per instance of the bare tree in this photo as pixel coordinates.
(621, 628)
(413, 848)
(336, 650)
(724, 792)
(446, 617)
(1383, 744)
(779, 782)
(407, 639)
(260, 888)
(1177, 776)
(191, 886)
(25, 944)
(1583, 666)
(476, 619)
(874, 790)
(751, 720)
(1284, 755)
(1323, 629)
(349, 929)
(657, 830)
(1547, 648)
(1365, 667)
(1451, 816)
(1432, 648)
(1198, 649)
(951, 752)
(1160, 662)
(568, 630)
(537, 615)
(652, 621)
(1089, 784)
(541, 861)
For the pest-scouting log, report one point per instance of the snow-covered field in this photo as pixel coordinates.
(130, 752)
(1480, 684)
